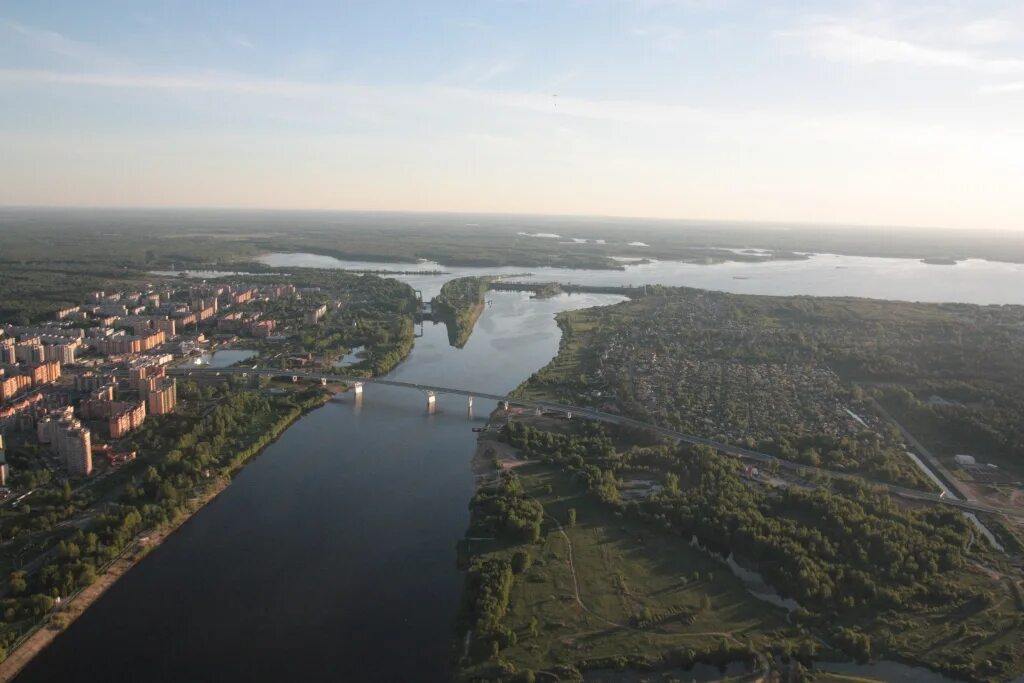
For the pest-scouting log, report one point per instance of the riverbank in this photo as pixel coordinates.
(58, 619)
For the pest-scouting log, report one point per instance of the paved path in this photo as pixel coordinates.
(936, 465)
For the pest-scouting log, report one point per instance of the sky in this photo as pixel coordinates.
(899, 112)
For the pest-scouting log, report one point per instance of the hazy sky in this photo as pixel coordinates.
(890, 112)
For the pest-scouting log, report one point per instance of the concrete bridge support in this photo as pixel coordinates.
(431, 402)
(469, 407)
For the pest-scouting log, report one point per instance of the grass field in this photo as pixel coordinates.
(625, 573)
(551, 382)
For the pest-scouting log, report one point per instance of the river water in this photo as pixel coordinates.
(332, 555)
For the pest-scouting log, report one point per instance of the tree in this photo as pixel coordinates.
(40, 604)
(66, 490)
(811, 456)
(17, 583)
(521, 561)
(572, 517)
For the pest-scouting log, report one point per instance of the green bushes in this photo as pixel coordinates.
(504, 511)
(488, 585)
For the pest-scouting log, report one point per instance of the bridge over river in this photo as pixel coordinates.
(804, 472)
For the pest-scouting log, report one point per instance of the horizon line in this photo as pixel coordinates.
(768, 223)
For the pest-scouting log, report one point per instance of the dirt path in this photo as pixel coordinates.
(583, 605)
(576, 579)
(727, 635)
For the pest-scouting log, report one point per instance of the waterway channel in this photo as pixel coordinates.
(332, 555)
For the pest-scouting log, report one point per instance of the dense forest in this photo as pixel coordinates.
(871, 578)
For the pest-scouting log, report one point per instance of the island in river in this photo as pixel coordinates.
(459, 305)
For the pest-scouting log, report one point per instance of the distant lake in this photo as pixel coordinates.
(972, 281)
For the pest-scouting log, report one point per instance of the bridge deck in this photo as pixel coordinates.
(610, 418)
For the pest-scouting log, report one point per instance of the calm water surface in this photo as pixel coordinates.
(973, 281)
(332, 555)
(224, 357)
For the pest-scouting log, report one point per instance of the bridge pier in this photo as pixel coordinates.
(323, 381)
(568, 415)
(469, 407)
(357, 389)
(504, 406)
(431, 402)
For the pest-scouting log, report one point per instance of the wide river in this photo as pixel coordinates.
(332, 555)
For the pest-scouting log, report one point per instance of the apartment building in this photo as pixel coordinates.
(125, 417)
(161, 396)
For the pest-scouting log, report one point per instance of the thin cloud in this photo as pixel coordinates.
(623, 111)
(56, 43)
(840, 42)
(201, 82)
(664, 38)
(990, 31)
(239, 40)
(1001, 88)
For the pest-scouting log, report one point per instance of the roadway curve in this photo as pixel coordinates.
(610, 418)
